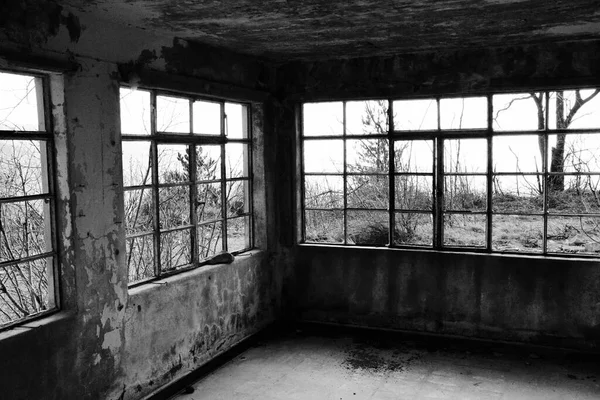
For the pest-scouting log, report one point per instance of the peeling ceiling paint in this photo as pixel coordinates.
(317, 29)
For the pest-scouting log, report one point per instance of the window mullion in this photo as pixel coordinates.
(224, 246)
(545, 171)
(345, 173)
(192, 167)
(439, 184)
(490, 148)
(154, 151)
(391, 176)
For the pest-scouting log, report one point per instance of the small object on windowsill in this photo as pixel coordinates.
(221, 258)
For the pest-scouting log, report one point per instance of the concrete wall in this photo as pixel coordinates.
(532, 299)
(108, 341)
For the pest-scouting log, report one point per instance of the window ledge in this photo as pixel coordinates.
(190, 273)
(33, 325)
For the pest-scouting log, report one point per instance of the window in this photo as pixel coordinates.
(509, 172)
(27, 252)
(187, 180)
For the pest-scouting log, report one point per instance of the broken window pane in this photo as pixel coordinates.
(463, 113)
(415, 115)
(25, 227)
(464, 230)
(519, 112)
(172, 114)
(367, 155)
(140, 258)
(135, 112)
(368, 228)
(19, 103)
(367, 117)
(324, 226)
(518, 193)
(174, 206)
(238, 234)
(413, 229)
(323, 156)
(414, 192)
(207, 118)
(173, 163)
(175, 250)
(323, 191)
(368, 191)
(210, 240)
(139, 211)
(574, 235)
(323, 119)
(523, 233)
(209, 202)
(236, 197)
(413, 155)
(23, 168)
(237, 121)
(137, 163)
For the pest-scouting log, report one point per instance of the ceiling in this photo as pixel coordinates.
(317, 29)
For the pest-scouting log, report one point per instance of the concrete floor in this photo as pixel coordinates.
(378, 366)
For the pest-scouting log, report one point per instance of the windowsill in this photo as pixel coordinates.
(35, 324)
(190, 273)
(566, 257)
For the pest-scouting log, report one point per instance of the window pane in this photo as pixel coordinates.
(367, 117)
(209, 202)
(237, 120)
(465, 155)
(173, 163)
(368, 228)
(518, 153)
(25, 227)
(518, 193)
(574, 153)
(236, 160)
(517, 233)
(208, 160)
(19, 103)
(581, 194)
(324, 156)
(210, 240)
(414, 192)
(324, 191)
(172, 114)
(465, 193)
(368, 191)
(464, 230)
(25, 290)
(413, 229)
(207, 118)
(22, 171)
(140, 258)
(135, 112)
(519, 112)
(575, 109)
(463, 113)
(175, 250)
(415, 115)
(136, 163)
(324, 226)
(323, 119)
(238, 234)
(367, 155)
(174, 206)
(139, 212)
(574, 235)
(413, 155)
(237, 198)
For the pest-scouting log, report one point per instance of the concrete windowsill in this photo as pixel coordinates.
(33, 325)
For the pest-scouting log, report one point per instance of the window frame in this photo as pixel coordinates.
(156, 138)
(439, 136)
(49, 161)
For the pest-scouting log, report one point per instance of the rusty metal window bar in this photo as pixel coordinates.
(28, 257)
(506, 172)
(187, 180)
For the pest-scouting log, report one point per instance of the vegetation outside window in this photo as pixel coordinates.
(28, 258)
(187, 180)
(513, 173)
